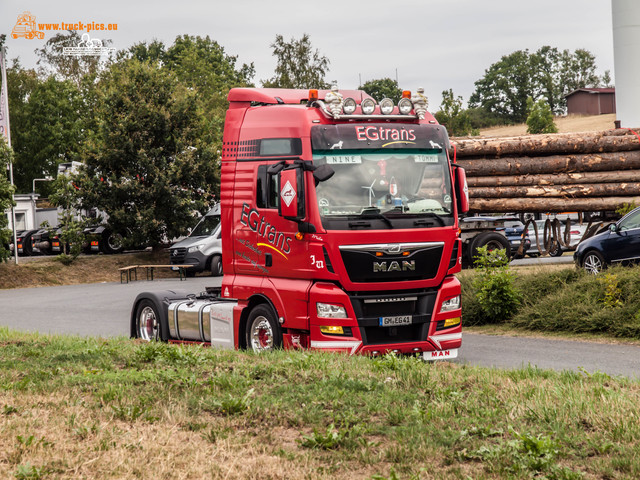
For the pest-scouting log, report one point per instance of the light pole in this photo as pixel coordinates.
(45, 179)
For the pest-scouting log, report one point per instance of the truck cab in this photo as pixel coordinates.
(339, 225)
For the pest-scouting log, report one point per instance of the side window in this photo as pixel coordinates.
(631, 222)
(266, 189)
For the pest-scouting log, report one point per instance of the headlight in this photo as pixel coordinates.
(349, 106)
(451, 304)
(368, 105)
(328, 310)
(386, 106)
(405, 106)
(195, 248)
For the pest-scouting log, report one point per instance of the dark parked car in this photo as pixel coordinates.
(620, 243)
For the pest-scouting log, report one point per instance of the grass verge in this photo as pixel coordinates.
(96, 409)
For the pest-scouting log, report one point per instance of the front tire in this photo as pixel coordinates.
(149, 322)
(263, 330)
(593, 262)
(216, 266)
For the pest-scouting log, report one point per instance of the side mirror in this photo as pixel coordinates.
(462, 190)
(323, 173)
(292, 196)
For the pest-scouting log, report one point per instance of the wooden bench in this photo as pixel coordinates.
(182, 270)
(128, 272)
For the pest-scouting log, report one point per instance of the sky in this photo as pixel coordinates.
(438, 45)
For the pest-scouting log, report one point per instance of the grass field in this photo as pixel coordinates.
(95, 409)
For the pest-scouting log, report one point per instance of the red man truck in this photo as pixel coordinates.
(339, 231)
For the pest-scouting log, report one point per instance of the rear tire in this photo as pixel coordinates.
(149, 322)
(263, 331)
(492, 240)
(216, 266)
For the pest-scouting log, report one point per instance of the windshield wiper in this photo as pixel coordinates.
(374, 213)
(424, 221)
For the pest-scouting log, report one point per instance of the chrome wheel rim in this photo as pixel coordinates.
(261, 335)
(147, 324)
(592, 264)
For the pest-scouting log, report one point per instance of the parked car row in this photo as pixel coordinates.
(46, 241)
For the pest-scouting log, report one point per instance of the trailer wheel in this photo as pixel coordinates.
(111, 242)
(148, 321)
(216, 266)
(263, 330)
(492, 240)
(593, 262)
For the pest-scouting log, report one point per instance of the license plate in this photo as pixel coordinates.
(440, 354)
(395, 321)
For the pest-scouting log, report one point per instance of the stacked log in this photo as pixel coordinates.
(594, 171)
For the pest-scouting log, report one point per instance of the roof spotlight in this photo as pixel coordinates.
(368, 106)
(405, 106)
(386, 106)
(349, 106)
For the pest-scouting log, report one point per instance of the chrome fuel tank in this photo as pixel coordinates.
(201, 320)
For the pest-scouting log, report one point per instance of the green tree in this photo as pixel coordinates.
(146, 165)
(202, 65)
(298, 65)
(540, 119)
(53, 61)
(49, 130)
(383, 88)
(453, 116)
(505, 87)
(6, 201)
(548, 73)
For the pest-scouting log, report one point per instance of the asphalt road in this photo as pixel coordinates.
(103, 310)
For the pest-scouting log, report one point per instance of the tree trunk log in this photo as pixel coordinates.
(551, 164)
(589, 204)
(567, 143)
(555, 179)
(563, 191)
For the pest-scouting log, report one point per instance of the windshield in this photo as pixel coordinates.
(206, 226)
(397, 187)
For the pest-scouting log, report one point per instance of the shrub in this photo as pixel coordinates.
(540, 119)
(495, 291)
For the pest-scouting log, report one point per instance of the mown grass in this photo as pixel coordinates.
(96, 409)
(567, 300)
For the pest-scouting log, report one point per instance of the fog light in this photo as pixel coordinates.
(386, 106)
(450, 322)
(368, 106)
(349, 106)
(332, 329)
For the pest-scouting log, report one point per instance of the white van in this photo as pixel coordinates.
(202, 248)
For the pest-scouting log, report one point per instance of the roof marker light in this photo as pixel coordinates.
(406, 94)
(313, 94)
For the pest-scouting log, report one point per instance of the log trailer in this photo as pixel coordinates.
(339, 231)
